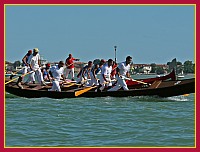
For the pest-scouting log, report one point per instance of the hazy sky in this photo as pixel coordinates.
(150, 34)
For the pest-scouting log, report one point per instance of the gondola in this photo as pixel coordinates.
(157, 88)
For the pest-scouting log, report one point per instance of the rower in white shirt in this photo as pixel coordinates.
(56, 72)
(105, 75)
(34, 64)
(122, 73)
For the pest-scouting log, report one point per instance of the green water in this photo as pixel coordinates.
(108, 121)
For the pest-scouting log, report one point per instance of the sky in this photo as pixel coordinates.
(150, 34)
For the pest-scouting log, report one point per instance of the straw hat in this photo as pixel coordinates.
(36, 50)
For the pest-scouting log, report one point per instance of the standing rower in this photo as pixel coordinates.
(25, 64)
(70, 66)
(122, 73)
(34, 63)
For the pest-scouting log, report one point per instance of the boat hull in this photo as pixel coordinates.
(165, 89)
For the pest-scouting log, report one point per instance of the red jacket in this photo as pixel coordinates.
(70, 62)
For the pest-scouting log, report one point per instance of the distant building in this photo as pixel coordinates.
(143, 68)
(78, 66)
(147, 68)
(43, 61)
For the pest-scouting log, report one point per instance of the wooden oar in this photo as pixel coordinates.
(22, 76)
(70, 85)
(77, 93)
(136, 81)
(14, 74)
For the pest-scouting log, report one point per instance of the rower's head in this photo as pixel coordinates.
(110, 62)
(70, 55)
(48, 65)
(128, 60)
(102, 62)
(29, 52)
(61, 64)
(35, 51)
(96, 66)
(90, 64)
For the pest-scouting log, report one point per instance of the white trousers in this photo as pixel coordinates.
(38, 74)
(55, 86)
(104, 83)
(120, 83)
(82, 80)
(93, 81)
(24, 71)
(71, 72)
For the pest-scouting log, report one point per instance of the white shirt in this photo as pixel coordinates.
(123, 68)
(56, 72)
(33, 61)
(106, 70)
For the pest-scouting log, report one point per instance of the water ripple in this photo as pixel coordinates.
(108, 121)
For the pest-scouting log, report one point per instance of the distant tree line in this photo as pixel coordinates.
(186, 67)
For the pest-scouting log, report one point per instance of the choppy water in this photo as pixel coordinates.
(131, 121)
(109, 121)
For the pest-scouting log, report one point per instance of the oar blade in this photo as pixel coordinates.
(78, 93)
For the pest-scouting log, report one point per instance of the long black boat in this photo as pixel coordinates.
(158, 88)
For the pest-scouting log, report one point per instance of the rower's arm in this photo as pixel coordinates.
(104, 78)
(63, 77)
(66, 62)
(128, 75)
(118, 73)
(50, 73)
(39, 60)
(83, 73)
(30, 66)
(24, 60)
(93, 72)
(88, 73)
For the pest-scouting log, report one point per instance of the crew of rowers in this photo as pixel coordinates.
(109, 72)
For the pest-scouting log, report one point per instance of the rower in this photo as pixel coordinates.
(84, 74)
(45, 72)
(93, 75)
(56, 72)
(34, 64)
(105, 75)
(122, 72)
(114, 71)
(25, 64)
(70, 66)
(102, 62)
